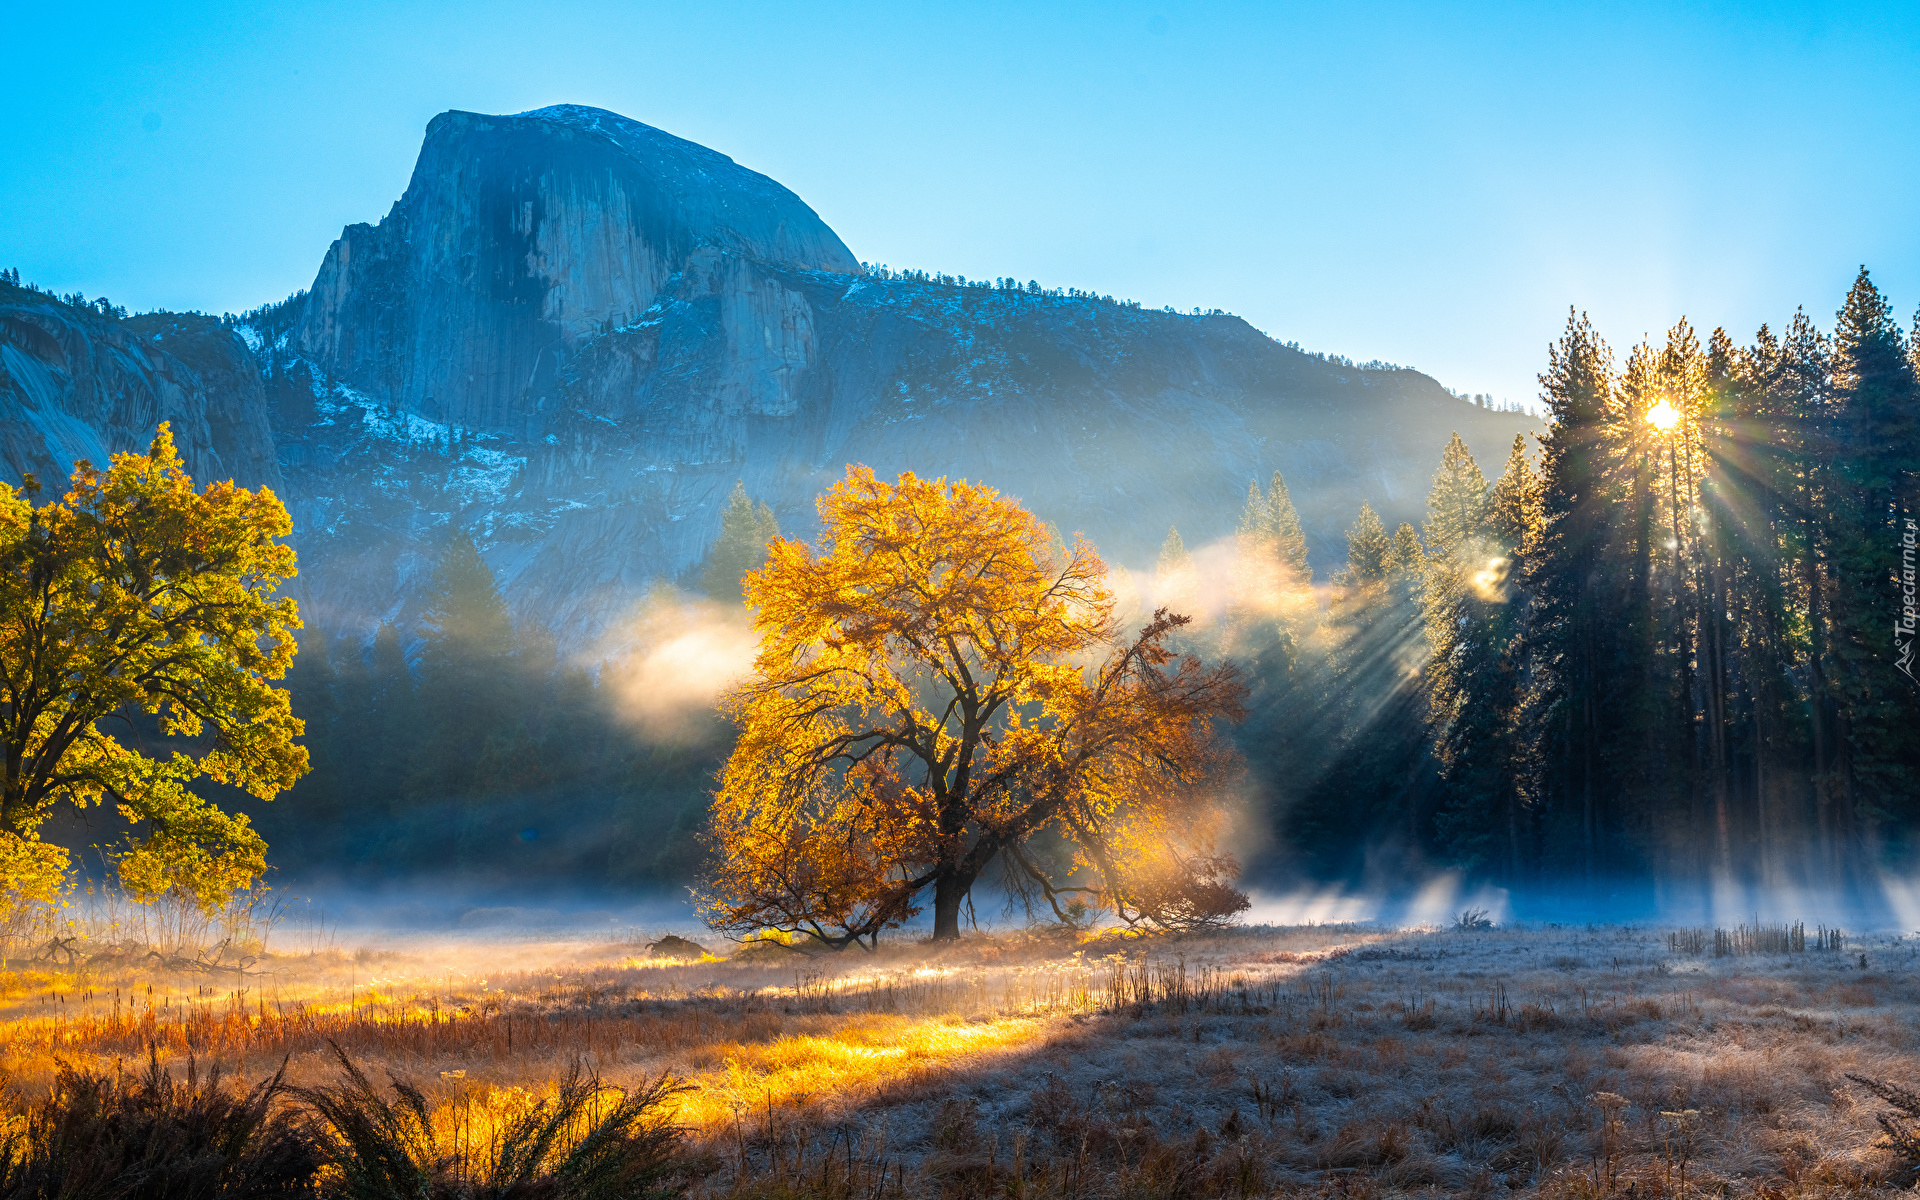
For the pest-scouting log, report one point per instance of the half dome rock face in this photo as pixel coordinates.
(520, 237)
(574, 333)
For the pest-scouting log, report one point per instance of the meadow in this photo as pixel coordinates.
(1320, 1060)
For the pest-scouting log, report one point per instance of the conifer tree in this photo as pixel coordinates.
(1761, 532)
(1568, 634)
(1176, 585)
(1718, 560)
(1806, 369)
(1369, 549)
(1255, 562)
(1513, 507)
(1406, 564)
(1289, 539)
(746, 529)
(1654, 556)
(1876, 409)
(1472, 679)
(1174, 558)
(1376, 781)
(1274, 620)
(1272, 597)
(467, 675)
(1457, 502)
(1256, 519)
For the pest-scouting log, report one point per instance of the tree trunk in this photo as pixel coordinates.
(1713, 620)
(949, 892)
(1817, 711)
(1761, 855)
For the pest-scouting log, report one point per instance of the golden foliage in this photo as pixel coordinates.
(135, 594)
(936, 685)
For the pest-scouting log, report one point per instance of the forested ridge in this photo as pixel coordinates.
(1658, 640)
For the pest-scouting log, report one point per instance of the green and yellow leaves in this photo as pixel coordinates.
(135, 594)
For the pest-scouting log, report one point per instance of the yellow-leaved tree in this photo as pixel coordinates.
(938, 685)
(134, 594)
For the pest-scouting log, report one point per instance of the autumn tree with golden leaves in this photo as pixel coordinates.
(136, 601)
(937, 686)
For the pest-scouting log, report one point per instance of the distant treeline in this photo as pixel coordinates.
(1681, 646)
(100, 306)
(1009, 284)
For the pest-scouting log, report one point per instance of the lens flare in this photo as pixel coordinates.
(1663, 416)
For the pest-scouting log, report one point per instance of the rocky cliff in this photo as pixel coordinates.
(573, 333)
(77, 384)
(521, 236)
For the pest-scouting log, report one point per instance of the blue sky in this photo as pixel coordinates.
(1431, 184)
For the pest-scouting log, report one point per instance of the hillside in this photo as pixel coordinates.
(574, 332)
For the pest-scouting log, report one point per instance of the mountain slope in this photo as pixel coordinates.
(574, 332)
(576, 369)
(77, 384)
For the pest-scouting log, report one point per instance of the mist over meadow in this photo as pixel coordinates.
(930, 604)
(1629, 650)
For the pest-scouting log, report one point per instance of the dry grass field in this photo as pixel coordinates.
(1579, 1062)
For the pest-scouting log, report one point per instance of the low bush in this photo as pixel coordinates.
(1902, 1126)
(587, 1142)
(153, 1136)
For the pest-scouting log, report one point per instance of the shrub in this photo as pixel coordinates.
(1902, 1126)
(153, 1136)
(578, 1145)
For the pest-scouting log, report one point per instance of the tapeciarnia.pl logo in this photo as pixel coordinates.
(1904, 628)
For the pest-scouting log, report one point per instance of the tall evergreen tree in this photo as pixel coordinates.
(1369, 549)
(1469, 679)
(1877, 467)
(1376, 782)
(1755, 463)
(1513, 507)
(467, 689)
(1174, 558)
(746, 528)
(1569, 633)
(1272, 600)
(1289, 538)
(1256, 571)
(1457, 503)
(1406, 567)
(1256, 519)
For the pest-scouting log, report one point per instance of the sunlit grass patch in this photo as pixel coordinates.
(1291, 1058)
(864, 1053)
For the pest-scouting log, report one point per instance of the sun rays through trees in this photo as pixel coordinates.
(1675, 644)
